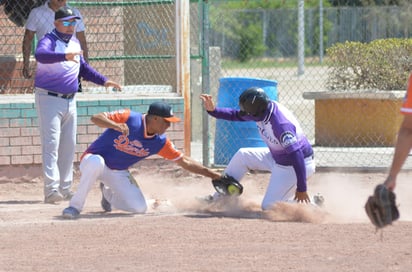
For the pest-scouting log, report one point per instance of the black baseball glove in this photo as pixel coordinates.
(381, 207)
(228, 186)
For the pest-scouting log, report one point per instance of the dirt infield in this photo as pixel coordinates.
(180, 233)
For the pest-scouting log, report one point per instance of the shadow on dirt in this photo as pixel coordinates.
(96, 215)
(19, 202)
(240, 215)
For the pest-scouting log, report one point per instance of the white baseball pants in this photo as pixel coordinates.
(282, 183)
(121, 190)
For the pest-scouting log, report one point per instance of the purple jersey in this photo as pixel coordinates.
(54, 73)
(282, 133)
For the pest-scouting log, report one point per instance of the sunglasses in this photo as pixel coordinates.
(67, 23)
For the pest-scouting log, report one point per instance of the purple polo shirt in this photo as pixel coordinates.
(54, 73)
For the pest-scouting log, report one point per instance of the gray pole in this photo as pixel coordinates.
(301, 37)
(205, 82)
(321, 31)
(265, 26)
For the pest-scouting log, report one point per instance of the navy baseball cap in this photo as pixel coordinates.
(65, 13)
(164, 110)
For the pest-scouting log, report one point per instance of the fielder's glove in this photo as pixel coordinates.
(381, 207)
(228, 186)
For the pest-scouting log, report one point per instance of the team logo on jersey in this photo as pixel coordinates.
(134, 148)
(268, 135)
(287, 139)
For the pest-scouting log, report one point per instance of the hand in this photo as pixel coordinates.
(74, 56)
(26, 71)
(207, 102)
(123, 128)
(113, 84)
(301, 197)
(390, 183)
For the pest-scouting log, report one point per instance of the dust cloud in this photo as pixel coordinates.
(345, 195)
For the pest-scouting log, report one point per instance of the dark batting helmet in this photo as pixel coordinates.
(253, 101)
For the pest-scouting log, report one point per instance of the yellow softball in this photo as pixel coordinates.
(232, 189)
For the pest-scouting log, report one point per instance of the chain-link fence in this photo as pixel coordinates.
(355, 129)
(134, 42)
(131, 42)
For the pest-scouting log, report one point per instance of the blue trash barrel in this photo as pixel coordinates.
(229, 135)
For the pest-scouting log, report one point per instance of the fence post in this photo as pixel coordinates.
(301, 37)
(183, 65)
(205, 81)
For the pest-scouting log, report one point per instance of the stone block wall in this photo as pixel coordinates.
(19, 133)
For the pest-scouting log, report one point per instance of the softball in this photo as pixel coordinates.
(233, 190)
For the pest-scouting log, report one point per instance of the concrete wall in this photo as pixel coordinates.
(19, 133)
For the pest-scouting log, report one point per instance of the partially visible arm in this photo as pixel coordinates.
(83, 43)
(301, 194)
(402, 149)
(101, 120)
(193, 166)
(26, 50)
(113, 84)
(89, 73)
(45, 52)
(223, 113)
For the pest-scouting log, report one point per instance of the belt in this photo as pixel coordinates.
(64, 96)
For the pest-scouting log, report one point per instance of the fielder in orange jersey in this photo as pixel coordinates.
(129, 138)
(404, 141)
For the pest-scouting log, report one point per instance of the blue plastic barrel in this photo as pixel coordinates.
(229, 135)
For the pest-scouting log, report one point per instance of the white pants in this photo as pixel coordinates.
(282, 183)
(57, 119)
(121, 190)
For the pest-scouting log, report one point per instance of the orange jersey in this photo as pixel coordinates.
(407, 101)
(120, 151)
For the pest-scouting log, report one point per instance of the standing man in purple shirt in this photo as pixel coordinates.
(59, 63)
(288, 155)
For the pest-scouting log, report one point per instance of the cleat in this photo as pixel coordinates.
(319, 200)
(106, 206)
(216, 198)
(67, 196)
(208, 199)
(70, 213)
(53, 197)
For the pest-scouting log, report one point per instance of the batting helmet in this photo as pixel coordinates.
(253, 101)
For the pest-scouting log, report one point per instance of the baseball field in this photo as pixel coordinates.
(182, 233)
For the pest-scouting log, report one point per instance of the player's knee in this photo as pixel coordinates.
(244, 154)
(92, 161)
(241, 152)
(240, 157)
